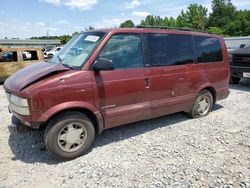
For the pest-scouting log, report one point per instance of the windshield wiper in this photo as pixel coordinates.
(60, 59)
(66, 65)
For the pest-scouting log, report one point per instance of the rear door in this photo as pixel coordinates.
(171, 59)
(122, 94)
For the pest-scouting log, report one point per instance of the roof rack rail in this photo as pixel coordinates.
(170, 28)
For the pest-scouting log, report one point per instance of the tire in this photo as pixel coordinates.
(69, 135)
(234, 80)
(205, 98)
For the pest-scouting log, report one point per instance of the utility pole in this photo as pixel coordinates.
(48, 33)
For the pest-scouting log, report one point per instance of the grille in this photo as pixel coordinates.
(241, 60)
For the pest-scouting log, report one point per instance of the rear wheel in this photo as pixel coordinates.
(69, 135)
(202, 105)
(234, 80)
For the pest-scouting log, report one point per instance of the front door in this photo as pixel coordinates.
(122, 95)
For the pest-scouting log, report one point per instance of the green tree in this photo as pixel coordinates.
(127, 24)
(152, 21)
(194, 17)
(240, 26)
(169, 22)
(216, 30)
(223, 12)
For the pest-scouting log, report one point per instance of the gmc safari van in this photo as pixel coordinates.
(14, 59)
(105, 78)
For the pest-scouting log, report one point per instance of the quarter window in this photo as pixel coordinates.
(208, 49)
(124, 50)
(167, 50)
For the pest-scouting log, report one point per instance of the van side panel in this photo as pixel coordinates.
(175, 88)
(170, 91)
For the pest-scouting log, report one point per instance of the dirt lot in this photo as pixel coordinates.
(172, 151)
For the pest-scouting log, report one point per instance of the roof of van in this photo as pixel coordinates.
(154, 30)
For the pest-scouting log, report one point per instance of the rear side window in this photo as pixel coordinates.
(124, 50)
(29, 55)
(9, 56)
(208, 49)
(167, 50)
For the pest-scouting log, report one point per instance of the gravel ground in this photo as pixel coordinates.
(171, 151)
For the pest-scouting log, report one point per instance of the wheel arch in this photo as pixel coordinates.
(213, 92)
(90, 111)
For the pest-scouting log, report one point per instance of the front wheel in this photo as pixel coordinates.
(202, 105)
(69, 135)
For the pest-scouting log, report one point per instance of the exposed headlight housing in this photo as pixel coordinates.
(18, 104)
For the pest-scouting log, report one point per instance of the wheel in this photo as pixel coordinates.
(234, 80)
(69, 135)
(202, 105)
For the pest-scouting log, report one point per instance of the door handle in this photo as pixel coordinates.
(147, 83)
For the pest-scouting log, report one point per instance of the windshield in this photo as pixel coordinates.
(75, 53)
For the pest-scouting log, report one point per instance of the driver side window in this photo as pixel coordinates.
(124, 50)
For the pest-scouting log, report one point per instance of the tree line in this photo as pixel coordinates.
(224, 20)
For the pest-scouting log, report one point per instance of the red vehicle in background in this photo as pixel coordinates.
(105, 78)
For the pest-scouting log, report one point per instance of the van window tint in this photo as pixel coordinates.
(208, 49)
(124, 50)
(29, 55)
(167, 50)
(8, 56)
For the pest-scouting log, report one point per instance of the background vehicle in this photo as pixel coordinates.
(51, 52)
(240, 63)
(14, 59)
(105, 78)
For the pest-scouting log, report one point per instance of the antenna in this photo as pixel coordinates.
(48, 33)
(47, 30)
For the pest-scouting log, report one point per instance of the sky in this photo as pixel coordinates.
(26, 18)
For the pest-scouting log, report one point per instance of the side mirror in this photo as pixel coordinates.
(103, 64)
(242, 45)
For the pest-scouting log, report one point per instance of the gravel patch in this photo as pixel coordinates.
(171, 151)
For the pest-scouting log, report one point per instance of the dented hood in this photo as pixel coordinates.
(30, 74)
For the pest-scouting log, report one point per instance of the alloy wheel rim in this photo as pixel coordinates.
(203, 105)
(72, 137)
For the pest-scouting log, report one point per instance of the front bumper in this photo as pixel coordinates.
(17, 126)
(237, 71)
(26, 120)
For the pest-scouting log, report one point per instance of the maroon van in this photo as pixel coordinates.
(105, 78)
